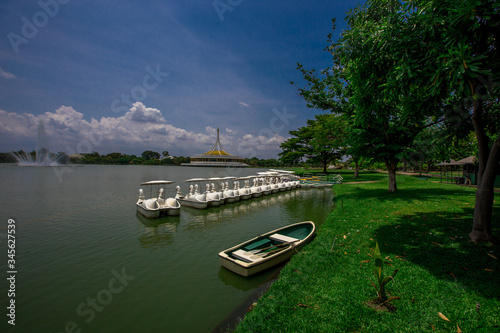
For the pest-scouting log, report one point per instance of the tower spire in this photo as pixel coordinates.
(217, 147)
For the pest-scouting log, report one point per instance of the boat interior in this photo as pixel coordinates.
(265, 246)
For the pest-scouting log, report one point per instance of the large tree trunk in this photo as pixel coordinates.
(391, 165)
(482, 138)
(488, 164)
(481, 227)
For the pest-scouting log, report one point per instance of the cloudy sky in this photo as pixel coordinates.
(128, 76)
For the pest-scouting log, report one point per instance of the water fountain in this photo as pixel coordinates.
(43, 157)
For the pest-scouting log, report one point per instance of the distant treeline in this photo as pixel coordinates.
(154, 158)
(7, 158)
(147, 158)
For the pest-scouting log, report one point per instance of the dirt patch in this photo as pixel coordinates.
(387, 307)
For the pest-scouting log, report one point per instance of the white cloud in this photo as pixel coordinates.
(244, 104)
(211, 130)
(14, 124)
(140, 113)
(6, 75)
(141, 128)
(263, 145)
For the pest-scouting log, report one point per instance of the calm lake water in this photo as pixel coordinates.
(87, 261)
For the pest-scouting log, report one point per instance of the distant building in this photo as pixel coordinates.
(466, 171)
(216, 157)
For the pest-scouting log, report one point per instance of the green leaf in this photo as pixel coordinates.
(386, 280)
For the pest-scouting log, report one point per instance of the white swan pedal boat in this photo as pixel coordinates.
(267, 250)
(194, 198)
(155, 207)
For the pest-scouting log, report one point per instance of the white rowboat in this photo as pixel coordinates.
(267, 250)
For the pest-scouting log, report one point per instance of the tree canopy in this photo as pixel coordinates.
(321, 141)
(404, 66)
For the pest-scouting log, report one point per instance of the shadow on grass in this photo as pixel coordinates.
(438, 241)
(429, 225)
(408, 194)
(364, 176)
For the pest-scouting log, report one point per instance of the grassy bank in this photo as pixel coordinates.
(423, 231)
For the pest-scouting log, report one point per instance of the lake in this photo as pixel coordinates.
(87, 262)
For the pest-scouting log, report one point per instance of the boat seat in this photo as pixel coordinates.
(200, 197)
(246, 256)
(282, 238)
(151, 204)
(262, 243)
(172, 202)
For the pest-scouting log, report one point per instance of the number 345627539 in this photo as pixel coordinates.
(11, 243)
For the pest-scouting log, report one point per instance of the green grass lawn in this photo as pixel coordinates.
(422, 230)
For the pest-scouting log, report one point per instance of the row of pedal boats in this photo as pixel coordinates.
(254, 255)
(203, 193)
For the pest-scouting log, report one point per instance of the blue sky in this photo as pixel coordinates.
(130, 76)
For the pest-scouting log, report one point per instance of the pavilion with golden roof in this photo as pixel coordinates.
(216, 157)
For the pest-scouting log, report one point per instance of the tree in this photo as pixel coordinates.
(91, 158)
(8, 157)
(329, 90)
(469, 68)
(321, 141)
(357, 158)
(450, 51)
(387, 117)
(380, 124)
(403, 63)
(425, 149)
(293, 149)
(148, 155)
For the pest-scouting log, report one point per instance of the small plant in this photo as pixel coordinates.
(381, 280)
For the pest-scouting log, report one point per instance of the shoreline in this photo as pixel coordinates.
(422, 231)
(232, 320)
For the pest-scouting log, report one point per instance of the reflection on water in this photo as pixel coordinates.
(202, 218)
(247, 283)
(299, 204)
(77, 231)
(157, 232)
